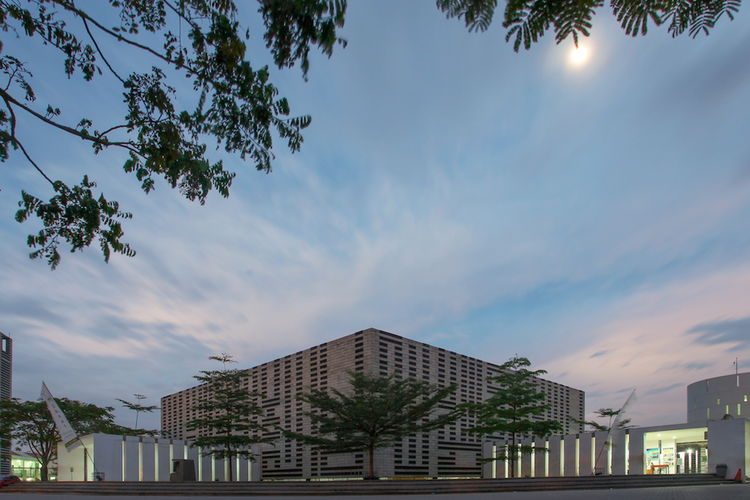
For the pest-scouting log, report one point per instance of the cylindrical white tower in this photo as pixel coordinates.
(713, 398)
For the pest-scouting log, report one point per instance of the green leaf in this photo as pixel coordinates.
(76, 216)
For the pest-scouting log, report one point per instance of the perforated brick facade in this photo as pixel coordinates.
(444, 453)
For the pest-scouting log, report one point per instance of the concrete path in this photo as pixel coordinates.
(713, 492)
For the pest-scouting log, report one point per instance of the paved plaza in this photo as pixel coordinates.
(712, 492)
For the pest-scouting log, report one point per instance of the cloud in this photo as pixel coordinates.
(31, 307)
(660, 390)
(707, 87)
(696, 365)
(636, 331)
(721, 332)
(449, 190)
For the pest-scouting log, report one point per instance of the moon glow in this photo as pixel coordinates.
(579, 54)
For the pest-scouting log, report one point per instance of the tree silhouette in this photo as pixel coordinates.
(510, 410)
(137, 407)
(226, 414)
(376, 412)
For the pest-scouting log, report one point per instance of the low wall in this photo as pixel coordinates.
(625, 452)
(108, 457)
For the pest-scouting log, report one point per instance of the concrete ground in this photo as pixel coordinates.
(713, 492)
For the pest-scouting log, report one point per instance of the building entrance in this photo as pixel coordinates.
(679, 451)
(692, 458)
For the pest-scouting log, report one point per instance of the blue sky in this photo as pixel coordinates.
(593, 218)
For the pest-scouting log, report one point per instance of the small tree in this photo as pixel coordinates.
(138, 407)
(615, 423)
(606, 413)
(30, 424)
(378, 411)
(510, 409)
(227, 414)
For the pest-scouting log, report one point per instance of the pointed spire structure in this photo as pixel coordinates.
(618, 419)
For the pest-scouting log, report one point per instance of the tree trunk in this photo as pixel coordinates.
(44, 472)
(371, 452)
(229, 462)
(513, 442)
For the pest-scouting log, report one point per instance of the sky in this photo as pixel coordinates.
(592, 217)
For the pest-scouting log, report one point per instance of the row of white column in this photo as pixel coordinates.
(129, 458)
(150, 459)
(572, 455)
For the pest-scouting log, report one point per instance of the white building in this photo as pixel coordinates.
(713, 398)
(717, 432)
(129, 458)
(692, 448)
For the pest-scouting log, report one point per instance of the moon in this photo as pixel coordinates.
(579, 54)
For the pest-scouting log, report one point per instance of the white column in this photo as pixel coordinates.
(540, 459)
(518, 463)
(501, 466)
(585, 454)
(526, 459)
(601, 453)
(488, 468)
(570, 450)
(619, 453)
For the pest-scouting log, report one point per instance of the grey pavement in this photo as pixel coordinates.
(712, 492)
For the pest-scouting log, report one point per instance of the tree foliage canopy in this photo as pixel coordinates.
(511, 408)
(235, 105)
(227, 414)
(377, 411)
(528, 20)
(612, 416)
(138, 407)
(30, 424)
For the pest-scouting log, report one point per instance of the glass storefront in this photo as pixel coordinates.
(692, 458)
(26, 468)
(682, 451)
